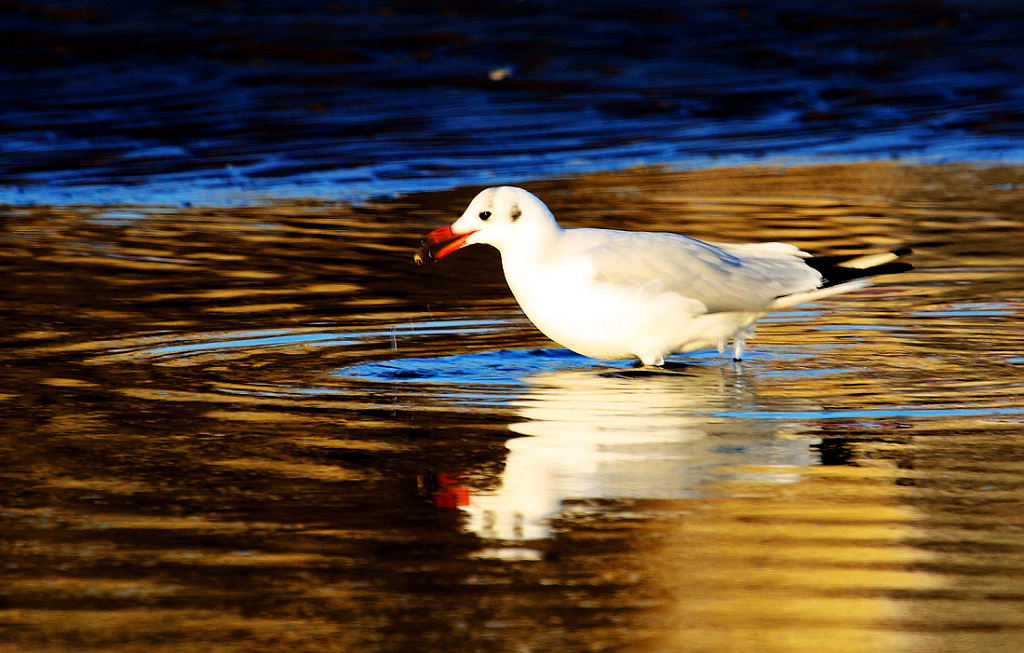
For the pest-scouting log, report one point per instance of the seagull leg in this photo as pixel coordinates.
(655, 360)
(738, 343)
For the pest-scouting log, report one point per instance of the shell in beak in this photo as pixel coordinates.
(439, 243)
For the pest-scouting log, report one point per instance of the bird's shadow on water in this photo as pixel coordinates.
(638, 371)
(514, 367)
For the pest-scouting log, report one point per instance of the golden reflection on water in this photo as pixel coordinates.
(191, 460)
(814, 563)
(752, 546)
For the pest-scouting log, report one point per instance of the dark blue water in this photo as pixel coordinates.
(237, 102)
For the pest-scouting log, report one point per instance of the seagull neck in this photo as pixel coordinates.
(542, 245)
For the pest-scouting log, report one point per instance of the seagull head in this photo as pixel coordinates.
(504, 217)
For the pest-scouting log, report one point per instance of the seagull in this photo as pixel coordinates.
(613, 294)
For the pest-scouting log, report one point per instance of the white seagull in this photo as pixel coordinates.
(613, 294)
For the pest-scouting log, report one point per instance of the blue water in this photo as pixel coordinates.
(228, 103)
(468, 375)
(510, 367)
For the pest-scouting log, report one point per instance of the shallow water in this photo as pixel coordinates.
(249, 428)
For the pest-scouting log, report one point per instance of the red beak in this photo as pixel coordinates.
(440, 243)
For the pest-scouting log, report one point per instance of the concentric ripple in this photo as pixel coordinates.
(189, 349)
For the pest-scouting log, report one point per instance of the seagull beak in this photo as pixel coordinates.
(439, 243)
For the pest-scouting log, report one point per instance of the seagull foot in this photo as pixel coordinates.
(652, 361)
(739, 343)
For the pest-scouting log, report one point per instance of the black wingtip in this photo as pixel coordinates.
(840, 269)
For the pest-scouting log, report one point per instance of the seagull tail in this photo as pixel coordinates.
(842, 274)
(837, 270)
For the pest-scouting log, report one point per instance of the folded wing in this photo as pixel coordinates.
(722, 277)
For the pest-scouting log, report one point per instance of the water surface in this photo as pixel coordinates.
(201, 102)
(256, 428)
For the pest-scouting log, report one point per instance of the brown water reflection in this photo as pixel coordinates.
(251, 428)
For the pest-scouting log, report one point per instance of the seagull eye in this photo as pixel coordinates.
(484, 215)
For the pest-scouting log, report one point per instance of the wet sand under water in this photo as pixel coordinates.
(239, 429)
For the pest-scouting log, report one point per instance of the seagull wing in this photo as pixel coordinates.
(722, 277)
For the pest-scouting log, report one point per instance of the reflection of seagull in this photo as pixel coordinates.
(623, 294)
(592, 436)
